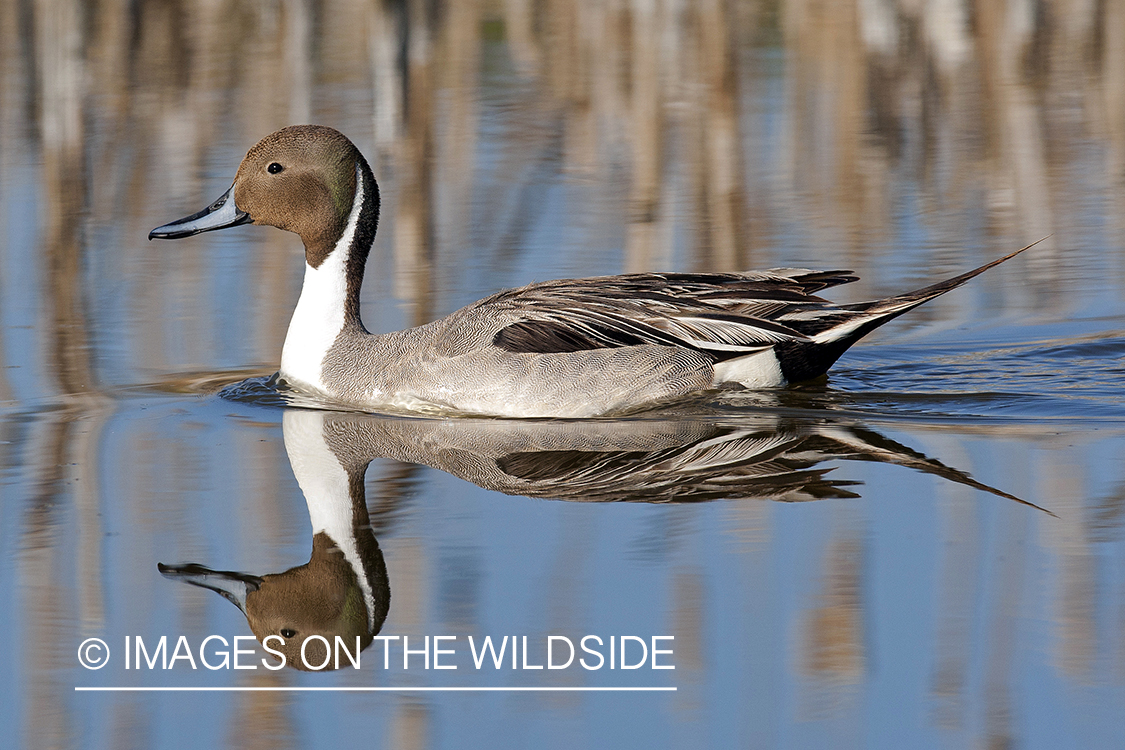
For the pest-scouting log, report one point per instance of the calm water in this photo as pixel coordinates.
(927, 550)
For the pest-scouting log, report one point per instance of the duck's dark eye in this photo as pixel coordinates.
(288, 633)
(274, 168)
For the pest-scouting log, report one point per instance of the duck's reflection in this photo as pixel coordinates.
(763, 456)
(343, 590)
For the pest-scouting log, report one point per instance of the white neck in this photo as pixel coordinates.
(319, 316)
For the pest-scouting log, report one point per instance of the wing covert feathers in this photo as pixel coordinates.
(724, 315)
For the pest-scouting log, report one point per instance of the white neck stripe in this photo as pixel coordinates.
(319, 316)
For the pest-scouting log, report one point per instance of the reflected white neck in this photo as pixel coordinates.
(326, 487)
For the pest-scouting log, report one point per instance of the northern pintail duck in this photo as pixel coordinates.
(568, 348)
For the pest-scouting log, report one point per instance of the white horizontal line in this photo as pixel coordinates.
(375, 689)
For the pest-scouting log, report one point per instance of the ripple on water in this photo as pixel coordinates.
(1075, 379)
(273, 391)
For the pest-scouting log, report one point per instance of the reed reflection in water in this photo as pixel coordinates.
(702, 136)
(518, 141)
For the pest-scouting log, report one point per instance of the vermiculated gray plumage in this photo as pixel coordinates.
(582, 347)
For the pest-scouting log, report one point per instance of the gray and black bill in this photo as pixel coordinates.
(234, 587)
(219, 215)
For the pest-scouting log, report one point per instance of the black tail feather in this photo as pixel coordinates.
(805, 360)
(925, 294)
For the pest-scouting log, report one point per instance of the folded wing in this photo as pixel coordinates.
(724, 315)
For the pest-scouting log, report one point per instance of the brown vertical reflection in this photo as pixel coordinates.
(646, 136)
(263, 720)
(410, 726)
(827, 103)
(408, 565)
(13, 102)
(179, 58)
(688, 626)
(459, 56)
(298, 52)
(68, 454)
(566, 65)
(568, 584)
(957, 594)
(129, 724)
(1113, 83)
(45, 609)
(1074, 604)
(59, 45)
(1020, 195)
(1003, 636)
(717, 164)
(832, 647)
(414, 230)
(385, 43)
(1112, 89)
(519, 23)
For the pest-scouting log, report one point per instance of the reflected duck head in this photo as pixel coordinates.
(323, 597)
(343, 589)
